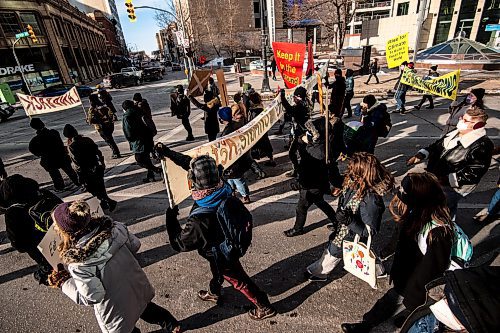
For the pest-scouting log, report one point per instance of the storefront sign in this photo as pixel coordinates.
(445, 85)
(396, 50)
(34, 105)
(17, 69)
(290, 59)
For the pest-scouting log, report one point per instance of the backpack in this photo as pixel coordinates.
(385, 127)
(461, 249)
(41, 211)
(235, 222)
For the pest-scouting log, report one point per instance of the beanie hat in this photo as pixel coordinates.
(300, 92)
(338, 72)
(37, 124)
(137, 97)
(203, 172)
(127, 104)
(411, 65)
(225, 113)
(71, 217)
(434, 67)
(369, 100)
(179, 88)
(478, 92)
(69, 131)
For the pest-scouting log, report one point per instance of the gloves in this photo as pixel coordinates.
(415, 159)
(57, 278)
(161, 150)
(171, 214)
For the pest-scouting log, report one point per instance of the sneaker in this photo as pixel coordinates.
(245, 200)
(261, 313)
(261, 174)
(429, 107)
(314, 278)
(115, 156)
(355, 328)
(402, 112)
(417, 107)
(293, 232)
(207, 296)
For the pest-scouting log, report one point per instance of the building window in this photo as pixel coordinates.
(10, 24)
(256, 8)
(491, 15)
(30, 18)
(444, 21)
(357, 28)
(403, 8)
(466, 18)
(59, 30)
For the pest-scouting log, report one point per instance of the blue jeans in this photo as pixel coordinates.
(426, 324)
(494, 206)
(400, 97)
(240, 184)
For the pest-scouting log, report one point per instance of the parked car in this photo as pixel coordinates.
(176, 67)
(119, 80)
(6, 110)
(61, 89)
(132, 71)
(152, 73)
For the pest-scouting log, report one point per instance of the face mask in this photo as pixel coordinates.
(470, 99)
(461, 126)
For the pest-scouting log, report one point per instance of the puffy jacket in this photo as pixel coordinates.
(136, 132)
(48, 145)
(105, 274)
(464, 163)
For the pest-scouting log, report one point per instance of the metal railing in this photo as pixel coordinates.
(374, 4)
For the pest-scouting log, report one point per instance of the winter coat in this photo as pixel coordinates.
(105, 274)
(106, 98)
(211, 120)
(263, 147)
(456, 111)
(316, 135)
(298, 112)
(100, 116)
(136, 132)
(85, 155)
(48, 145)
(147, 117)
(180, 106)
(462, 163)
(336, 106)
(412, 270)
(374, 67)
(372, 122)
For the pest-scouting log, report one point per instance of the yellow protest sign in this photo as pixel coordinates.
(445, 85)
(396, 50)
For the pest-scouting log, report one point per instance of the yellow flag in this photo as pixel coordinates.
(396, 50)
(445, 86)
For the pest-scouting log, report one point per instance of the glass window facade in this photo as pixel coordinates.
(444, 21)
(10, 24)
(30, 18)
(466, 17)
(403, 8)
(491, 15)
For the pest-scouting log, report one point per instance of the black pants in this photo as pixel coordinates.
(155, 314)
(57, 178)
(212, 136)
(386, 307)
(106, 133)
(293, 152)
(94, 183)
(144, 160)
(239, 279)
(347, 103)
(187, 126)
(306, 199)
(370, 76)
(429, 98)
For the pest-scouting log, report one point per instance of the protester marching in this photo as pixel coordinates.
(380, 221)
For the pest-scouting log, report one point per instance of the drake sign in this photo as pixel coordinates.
(17, 69)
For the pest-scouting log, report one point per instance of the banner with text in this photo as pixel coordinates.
(34, 105)
(227, 149)
(290, 61)
(396, 50)
(445, 85)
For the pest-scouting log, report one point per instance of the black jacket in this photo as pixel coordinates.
(211, 119)
(374, 67)
(48, 145)
(412, 270)
(466, 163)
(372, 122)
(85, 154)
(136, 132)
(299, 113)
(338, 87)
(180, 106)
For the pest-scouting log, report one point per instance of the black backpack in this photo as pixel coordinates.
(236, 223)
(41, 211)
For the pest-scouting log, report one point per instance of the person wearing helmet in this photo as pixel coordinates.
(181, 108)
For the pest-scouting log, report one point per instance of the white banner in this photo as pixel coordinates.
(227, 149)
(34, 105)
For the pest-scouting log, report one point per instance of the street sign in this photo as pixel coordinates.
(22, 34)
(492, 27)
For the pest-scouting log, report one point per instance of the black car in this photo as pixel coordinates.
(152, 73)
(119, 80)
(61, 89)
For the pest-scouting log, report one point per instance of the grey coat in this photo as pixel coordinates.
(109, 279)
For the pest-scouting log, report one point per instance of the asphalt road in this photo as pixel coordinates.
(275, 262)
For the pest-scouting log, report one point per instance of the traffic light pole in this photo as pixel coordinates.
(265, 78)
(19, 65)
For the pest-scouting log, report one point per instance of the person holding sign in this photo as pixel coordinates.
(401, 89)
(103, 271)
(210, 107)
(432, 74)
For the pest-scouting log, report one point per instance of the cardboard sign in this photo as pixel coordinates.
(290, 60)
(199, 82)
(34, 105)
(445, 85)
(51, 240)
(227, 149)
(221, 82)
(396, 50)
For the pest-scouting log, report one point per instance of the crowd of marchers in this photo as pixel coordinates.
(433, 286)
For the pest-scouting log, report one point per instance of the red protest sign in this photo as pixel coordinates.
(290, 59)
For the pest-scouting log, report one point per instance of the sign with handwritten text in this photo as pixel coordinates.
(290, 60)
(396, 50)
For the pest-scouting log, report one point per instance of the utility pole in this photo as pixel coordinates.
(265, 78)
(18, 38)
(189, 39)
(420, 22)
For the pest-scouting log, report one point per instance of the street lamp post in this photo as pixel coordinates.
(17, 61)
(265, 78)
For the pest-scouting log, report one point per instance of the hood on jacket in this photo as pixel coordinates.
(17, 189)
(99, 244)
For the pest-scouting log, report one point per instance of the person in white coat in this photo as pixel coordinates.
(103, 272)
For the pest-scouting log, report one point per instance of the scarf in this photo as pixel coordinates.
(212, 197)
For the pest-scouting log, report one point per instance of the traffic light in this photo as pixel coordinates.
(32, 34)
(130, 10)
